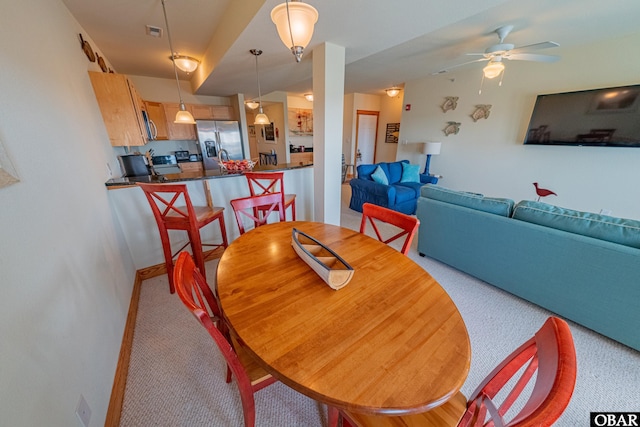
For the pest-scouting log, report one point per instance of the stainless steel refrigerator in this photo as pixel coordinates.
(218, 140)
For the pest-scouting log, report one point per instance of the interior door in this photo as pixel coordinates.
(366, 136)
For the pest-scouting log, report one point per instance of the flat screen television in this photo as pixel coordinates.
(608, 117)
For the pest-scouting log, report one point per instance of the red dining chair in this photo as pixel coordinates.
(375, 215)
(173, 210)
(271, 182)
(548, 358)
(248, 206)
(249, 376)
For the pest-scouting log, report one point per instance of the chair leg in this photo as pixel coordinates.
(168, 257)
(196, 249)
(223, 231)
(333, 416)
(293, 210)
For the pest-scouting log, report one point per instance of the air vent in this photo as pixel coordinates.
(154, 31)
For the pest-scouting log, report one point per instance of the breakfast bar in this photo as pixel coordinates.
(132, 211)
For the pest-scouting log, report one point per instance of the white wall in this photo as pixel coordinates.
(66, 273)
(489, 157)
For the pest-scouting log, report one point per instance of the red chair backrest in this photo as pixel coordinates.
(552, 355)
(265, 183)
(189, 281)
(407, 223)
(171, 205)
(247, 206)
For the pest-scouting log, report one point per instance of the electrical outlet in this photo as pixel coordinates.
(83, 411)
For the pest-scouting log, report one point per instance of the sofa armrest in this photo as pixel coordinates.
(429, 179)
(363, 191)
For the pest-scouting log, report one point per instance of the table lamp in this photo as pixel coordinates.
(429, 149)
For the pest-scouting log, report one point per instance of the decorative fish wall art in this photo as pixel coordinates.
(481, 112)
(450, 103)
(452, 128)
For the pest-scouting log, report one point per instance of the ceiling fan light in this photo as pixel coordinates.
(185, 63)
(308, 97)
(184, 117)
(252, 104)
(294, 22)
(493, 69)
(391, 92)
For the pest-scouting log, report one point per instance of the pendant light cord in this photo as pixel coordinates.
(175, 70)
(256, 53)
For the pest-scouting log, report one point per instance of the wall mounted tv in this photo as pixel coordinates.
(608, 117)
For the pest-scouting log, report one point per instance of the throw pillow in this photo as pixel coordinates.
(379, 176)
(410, 173)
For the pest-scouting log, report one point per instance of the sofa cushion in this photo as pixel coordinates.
(394, 171)
(498, 206)
(415, 186)
(410, 173)
(404, 193)
(617, 230)
(379, 176)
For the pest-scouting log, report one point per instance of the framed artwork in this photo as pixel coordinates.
(252, 130)
(268, 134)
(393, 130)
(300, 121)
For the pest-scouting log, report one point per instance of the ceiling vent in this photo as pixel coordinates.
(154, 31)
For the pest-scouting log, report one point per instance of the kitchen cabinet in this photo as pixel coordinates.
(121, 108)
(297, 158)
(178, 131)
(191, 167)
(157, 120)
(212, 112)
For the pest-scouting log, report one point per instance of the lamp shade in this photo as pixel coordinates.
(392, 91)
(295, 28)
(261, 118)
(252, 104)
(183, 116)
(493, 69)
(431, 148)
(185, 63)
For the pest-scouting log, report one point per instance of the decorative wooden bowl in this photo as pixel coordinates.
(334, 270)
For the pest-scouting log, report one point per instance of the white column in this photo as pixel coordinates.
(328, 104)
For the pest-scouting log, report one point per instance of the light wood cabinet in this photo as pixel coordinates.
(297, 158)
(121, 108)
(177, 131)
(158, 120)
(211, 112)
(191, 167)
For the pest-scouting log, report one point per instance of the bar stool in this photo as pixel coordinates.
(271, 182)
(173, 210)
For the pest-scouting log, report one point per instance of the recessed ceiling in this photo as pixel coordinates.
(386, 43)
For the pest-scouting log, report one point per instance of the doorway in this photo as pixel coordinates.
(366, 136)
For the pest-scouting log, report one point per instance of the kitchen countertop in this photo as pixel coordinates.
(126, 182)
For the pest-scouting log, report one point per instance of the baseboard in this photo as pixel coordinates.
(122, 369)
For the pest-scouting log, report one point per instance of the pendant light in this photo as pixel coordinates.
(183, 116)
(261, 117)
(294, 21)
(391, 92)
(185, 63)
(251, 104)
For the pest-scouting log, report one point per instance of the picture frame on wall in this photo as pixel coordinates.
(393, 130)
(268, 133)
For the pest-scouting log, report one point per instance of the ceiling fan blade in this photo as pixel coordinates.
(543, 45)
(444, 70)
(532, 57)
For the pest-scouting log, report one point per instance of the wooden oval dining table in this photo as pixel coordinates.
(390, 342)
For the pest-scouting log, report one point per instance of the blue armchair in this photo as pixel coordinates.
(397, 195)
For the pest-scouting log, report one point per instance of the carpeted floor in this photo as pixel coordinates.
(176, 374)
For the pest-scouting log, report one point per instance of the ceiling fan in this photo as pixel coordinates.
(496, 53)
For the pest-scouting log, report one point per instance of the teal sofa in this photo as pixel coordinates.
(582, 266)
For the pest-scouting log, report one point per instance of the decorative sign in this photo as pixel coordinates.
(393, 130)
(300, 121)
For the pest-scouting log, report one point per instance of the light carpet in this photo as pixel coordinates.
(176, 374)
